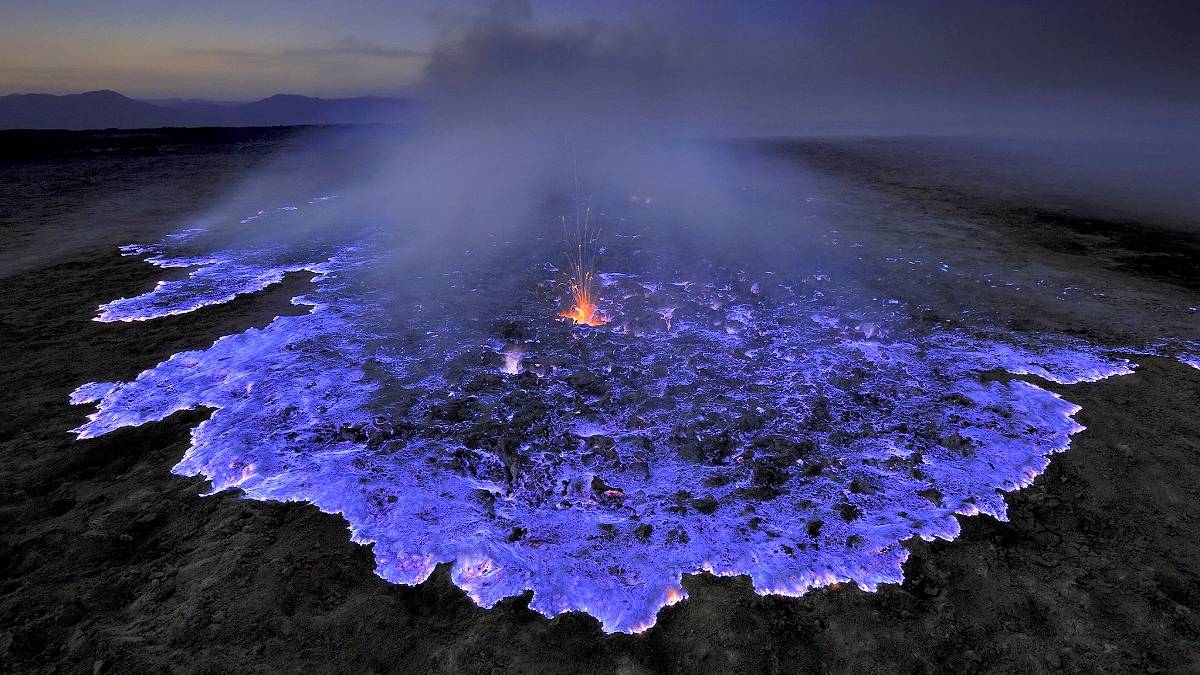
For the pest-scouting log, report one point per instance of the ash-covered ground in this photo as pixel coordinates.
(792, 406)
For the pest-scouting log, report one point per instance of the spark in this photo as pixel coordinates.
(581, 265)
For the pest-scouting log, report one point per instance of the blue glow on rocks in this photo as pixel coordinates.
(737, 427)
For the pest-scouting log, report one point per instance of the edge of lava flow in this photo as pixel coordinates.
(909, 435)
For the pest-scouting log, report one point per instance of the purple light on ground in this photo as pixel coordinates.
(735, 436)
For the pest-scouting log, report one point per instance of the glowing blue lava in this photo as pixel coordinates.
(708, 426)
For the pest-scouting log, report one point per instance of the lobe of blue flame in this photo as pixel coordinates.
(919, 437)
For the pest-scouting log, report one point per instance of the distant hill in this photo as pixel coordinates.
(190, 103)
(109, 109)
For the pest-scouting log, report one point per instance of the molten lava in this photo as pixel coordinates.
(584, 309)
(582, 265)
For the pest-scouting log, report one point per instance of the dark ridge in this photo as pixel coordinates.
(24, 144)
(110, 110)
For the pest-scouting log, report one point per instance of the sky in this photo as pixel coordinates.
(767, 63)
(239, 49)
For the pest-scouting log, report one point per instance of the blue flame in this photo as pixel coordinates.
(727, 432)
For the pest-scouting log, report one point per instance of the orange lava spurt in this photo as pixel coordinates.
(581, 265)
(584, 309)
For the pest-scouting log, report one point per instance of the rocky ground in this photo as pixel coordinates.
(109, 563)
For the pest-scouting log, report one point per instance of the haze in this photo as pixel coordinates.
(746, 68)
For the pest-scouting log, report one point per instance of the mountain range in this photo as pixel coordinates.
(108, 109)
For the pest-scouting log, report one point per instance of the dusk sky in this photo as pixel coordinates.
(242, 49)
(922, 59)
